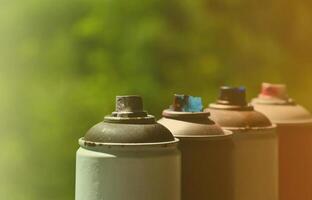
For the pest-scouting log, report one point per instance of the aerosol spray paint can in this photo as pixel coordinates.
(255, 145)
(128, 156)
(294, 128)
(206, 150)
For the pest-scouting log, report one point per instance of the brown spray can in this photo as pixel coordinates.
(255, 145)
(206, 151)
(294, 128)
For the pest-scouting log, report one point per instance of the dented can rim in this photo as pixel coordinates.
(84, 143)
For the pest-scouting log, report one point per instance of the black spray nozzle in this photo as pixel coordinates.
(232, 96)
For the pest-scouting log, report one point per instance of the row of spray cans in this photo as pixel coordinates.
(230, 150)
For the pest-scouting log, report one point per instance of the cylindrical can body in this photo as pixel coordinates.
(255, 165)
(150, 172)
(295, 160)
(206, 168)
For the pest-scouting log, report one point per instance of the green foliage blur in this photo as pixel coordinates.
(63, 61)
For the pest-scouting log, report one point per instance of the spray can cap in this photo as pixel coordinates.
(129, 106)
(129, 109)
(186, 107)
(276, 91)
(232, 96)
(274, 94)
(185, 103)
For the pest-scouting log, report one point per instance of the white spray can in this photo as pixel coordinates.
(128, 156)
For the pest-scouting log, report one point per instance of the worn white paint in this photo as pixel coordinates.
(128, 172)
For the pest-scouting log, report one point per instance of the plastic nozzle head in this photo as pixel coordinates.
(131, 103)
(276, 91)
(128, 106)
(185, 103)
(232, 96)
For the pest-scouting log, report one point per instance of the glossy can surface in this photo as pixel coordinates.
(255, 146)
(206, 155)
(128, 156)
(294, 129)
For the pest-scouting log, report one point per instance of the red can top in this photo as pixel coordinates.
(275, 103)
(274, 91)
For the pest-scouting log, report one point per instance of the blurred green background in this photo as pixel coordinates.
(63, 61)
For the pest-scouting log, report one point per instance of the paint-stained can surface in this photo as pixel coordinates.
(206, 151)
(255, 153)
(294, 128)
(128, 156)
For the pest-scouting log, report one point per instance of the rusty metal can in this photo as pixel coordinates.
(128, 156)
(255, 145)
(294, 128)
(206, 150)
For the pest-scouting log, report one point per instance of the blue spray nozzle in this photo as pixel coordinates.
(187, 103)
